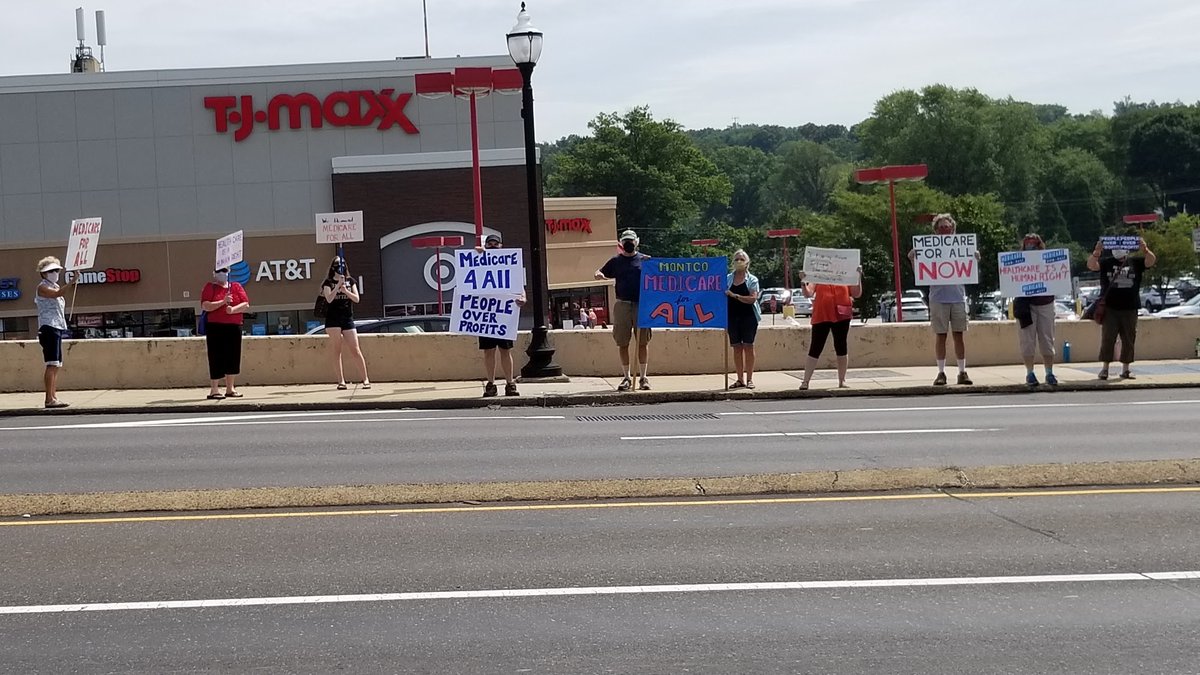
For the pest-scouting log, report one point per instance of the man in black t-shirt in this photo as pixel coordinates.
(1121, 291)
(626, 269)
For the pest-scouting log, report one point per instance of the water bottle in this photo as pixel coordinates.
(1067, 351)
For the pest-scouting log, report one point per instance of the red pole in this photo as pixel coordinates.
(437, 271)
(787, 267)
(895, 249)
(475, 175)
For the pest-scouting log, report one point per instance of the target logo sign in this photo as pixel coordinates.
(414, 259)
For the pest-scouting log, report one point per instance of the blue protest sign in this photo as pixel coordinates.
(683, 293)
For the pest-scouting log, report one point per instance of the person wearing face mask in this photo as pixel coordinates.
(341, 292)
(496, 350)
(224, 301)
(1120, 288)
(832, 312)
(52, 324)
(626, 269)
(1035, 320)
(742, 289)
(947, 312)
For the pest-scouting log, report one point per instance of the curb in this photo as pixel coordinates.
(1152, 472)
(597, 399)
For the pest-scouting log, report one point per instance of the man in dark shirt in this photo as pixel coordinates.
(1121, 290)
(626, 269)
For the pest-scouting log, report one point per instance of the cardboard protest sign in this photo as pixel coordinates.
(340, 227)
(229, 250)
(1121, 242)
(1025, 274)
(487, 286)
(836, 266)
(683, 293)
(85, 239)
(945, 259)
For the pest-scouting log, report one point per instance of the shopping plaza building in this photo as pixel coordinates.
(174, 159)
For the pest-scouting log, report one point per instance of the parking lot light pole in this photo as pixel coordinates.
(787, 265)
(525, 47)
(437, 244)
(890, 175)
(705, 243)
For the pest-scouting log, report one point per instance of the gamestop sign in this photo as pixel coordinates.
(383, 109)
(112, 275)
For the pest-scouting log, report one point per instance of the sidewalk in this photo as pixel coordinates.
(909, 381)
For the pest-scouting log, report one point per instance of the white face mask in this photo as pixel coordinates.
(1119, 254)
(221, 277)
(52, 277)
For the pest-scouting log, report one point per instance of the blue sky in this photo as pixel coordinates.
(700, 62)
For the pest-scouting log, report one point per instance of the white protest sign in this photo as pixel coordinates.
(487, 286)
(945, 259)
(1121, 242)
(1025, 274)
(836, 266)
(229, 250)
(81, 249)
(340, 227)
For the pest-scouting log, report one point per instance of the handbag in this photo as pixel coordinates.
(202, 322)
(844, 312)
(321, 308)
(1096, 310)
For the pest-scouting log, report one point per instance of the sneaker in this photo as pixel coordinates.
(1051, 380)
(55, 405)
(1126, 375)
(940, 380)
(510, 389)
(963, 379)
(644, 384)
(626, 384)
(489, 390)
(1031, 380)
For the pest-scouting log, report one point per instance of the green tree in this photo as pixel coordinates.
(806, 175)
(662, 181)
(1077, 196)
(1172, 245)
(748, 170)
(1164, 151)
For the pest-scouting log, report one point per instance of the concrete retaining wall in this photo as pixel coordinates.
(133, 363)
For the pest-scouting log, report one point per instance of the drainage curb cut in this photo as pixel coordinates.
(1153, 472)
(598, 399)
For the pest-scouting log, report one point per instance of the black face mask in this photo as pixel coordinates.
(628, 246)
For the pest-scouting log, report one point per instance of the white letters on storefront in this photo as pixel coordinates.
(289, 270)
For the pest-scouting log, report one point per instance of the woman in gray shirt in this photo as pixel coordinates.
(52, 324)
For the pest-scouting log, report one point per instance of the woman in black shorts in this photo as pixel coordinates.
(742, 289)
(341, 292)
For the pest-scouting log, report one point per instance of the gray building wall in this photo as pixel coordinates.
(140, 149)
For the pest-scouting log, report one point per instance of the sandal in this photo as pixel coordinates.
(749, 385)
(1103, 374)
(233, 394)
(803, 387)
(366, 385)
(1127, 376)
(737, 385)
(215, 397)
(341, 387)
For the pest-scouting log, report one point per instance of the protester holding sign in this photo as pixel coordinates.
(223, 303)
(1035, 319)
(341, 293)
(1120, 298)
(52, 324)
(744, 315)
(832, 312)
(498, 349)
(626, 269)
(948, 301)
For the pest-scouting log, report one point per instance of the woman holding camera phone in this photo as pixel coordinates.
(341, 292)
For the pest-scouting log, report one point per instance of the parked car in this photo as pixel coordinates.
(802, 304)
(1064, 312)
(1153, 300)
(1188, 288)
(987, 310)
(1189, 308)
(913, 309)
(914, 293)
(431, 323)
(1088, 294)
(781, 296)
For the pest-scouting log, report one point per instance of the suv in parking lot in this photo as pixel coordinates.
(1153, 301)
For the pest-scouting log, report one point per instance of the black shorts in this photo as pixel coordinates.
(493, 343)
(50, 339)
(343, 322)
(742, 329)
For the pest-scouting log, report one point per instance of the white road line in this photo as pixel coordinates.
(999, 406)
(234, 422)
(780, 434)
(601, 590)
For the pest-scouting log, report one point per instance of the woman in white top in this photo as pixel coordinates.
(52, 324)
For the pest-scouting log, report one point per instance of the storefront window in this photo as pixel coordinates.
(152, 323)
(574, 307)
(422, 309)
(17, 328)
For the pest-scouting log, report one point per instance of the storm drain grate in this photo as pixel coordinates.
(861, 374)
(647, 418)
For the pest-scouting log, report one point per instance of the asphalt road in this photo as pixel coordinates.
(920, 583)
(152, 452)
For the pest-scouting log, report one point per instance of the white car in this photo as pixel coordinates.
(1064, 312)
(1153, 300)
(1189, 308)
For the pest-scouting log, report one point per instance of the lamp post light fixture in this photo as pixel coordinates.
(889, 175)
(705, 243)
(525, 47)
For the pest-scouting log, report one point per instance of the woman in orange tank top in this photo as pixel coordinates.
(832, 312)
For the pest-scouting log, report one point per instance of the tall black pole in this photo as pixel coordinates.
(541, 352)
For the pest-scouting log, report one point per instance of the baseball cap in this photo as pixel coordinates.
(49, 266)
(627, 235)
(491, 238)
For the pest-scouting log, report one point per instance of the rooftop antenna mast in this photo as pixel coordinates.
(425, 15)
(101, 36)
(83, 61)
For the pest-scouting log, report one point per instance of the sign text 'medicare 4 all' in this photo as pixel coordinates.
(487, 286)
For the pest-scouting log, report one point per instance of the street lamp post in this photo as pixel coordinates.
(787, 263)
(525, 47)
(438, 243)
(891, 174)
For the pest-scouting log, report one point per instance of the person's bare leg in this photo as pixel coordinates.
(356, 354)
(506, 365)
(843, 363)
(810, 366)
(939, 346)
(50, 379)
(960, 347)
(739, 361)
(335, 352)
(229, 388)
(749, 357)
(489, 365)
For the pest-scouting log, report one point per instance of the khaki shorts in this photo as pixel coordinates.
(948, 317)
(624, 321)
(1039, 335)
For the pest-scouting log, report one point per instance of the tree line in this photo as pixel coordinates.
(1002, 167)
